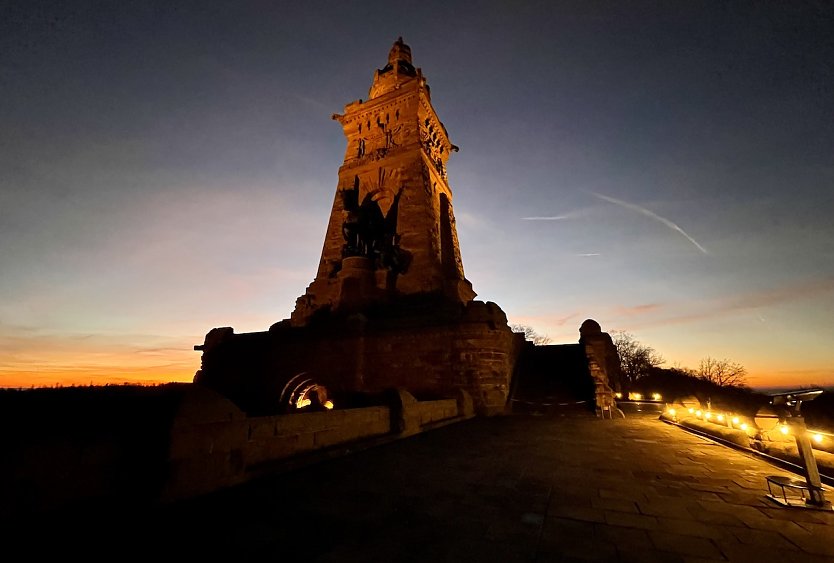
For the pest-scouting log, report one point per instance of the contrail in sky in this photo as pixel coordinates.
(569, 215)
(553, 218)
(645, 211)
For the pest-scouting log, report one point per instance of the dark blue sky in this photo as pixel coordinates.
(666, 168)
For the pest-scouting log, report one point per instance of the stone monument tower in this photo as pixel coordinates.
(392, 228)
(389, 307)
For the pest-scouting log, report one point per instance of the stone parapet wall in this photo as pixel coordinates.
(206, 456)
(204, 444)
(774, 444)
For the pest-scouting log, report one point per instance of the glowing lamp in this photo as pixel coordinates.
(656, 396)
(720, 418)
(735, 420)
(328, 404)
(743, 426)
(698, 413)
(708, 415)
(618, 395)
(672, 412)
(784, 429)
(691, 410)
(818, 438)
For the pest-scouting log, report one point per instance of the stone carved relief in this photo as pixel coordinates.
(381, 185)
(376, 147)
(434, 146)
(392, 136)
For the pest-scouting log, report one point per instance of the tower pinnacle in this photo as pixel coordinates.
(399, 52)
(398, 71)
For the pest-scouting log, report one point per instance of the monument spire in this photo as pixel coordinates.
(392, 229)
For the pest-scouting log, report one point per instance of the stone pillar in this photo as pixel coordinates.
(603, 363)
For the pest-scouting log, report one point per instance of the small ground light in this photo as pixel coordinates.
(691, 410)
(720, 418)
(735, 420)
(672, 412)
(784, 429)
(818, 438)
(698, 413)
(708, 415)
(656, 396)
(743, 426)
(618, 395)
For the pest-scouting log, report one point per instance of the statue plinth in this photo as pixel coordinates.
(357, 284)
(356, 266)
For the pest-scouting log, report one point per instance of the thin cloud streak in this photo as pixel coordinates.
(653, 215)
(800, 291)
(642, 309)
(564, 216)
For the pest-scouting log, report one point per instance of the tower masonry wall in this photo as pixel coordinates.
(432, 353)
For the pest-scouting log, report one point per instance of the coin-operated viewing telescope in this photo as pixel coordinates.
(789, 408)
(790, 404)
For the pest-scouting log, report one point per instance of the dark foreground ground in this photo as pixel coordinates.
(504, 489)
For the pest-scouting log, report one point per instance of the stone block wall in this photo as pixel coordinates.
(432, 352)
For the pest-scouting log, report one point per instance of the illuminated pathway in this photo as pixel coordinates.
(520, 488)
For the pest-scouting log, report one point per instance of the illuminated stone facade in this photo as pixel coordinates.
(392, 228)
(389, 308)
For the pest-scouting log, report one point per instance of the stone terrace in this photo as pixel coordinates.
(502, 489)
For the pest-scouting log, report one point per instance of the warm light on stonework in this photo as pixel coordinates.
(691, 410)
(672, 412)
(784, 429)
(708, 415)
(698, 413)
(743, 426)
(656, 396)
(735, 420)
(720, 418)
(818, 438)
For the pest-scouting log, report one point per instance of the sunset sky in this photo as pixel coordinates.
(665, 168)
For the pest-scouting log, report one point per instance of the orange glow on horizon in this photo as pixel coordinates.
(80, 369)
(106, 367)
(110, 376)
(81, 362)
(46, 360)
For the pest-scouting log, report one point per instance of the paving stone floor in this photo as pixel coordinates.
(504, 489)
